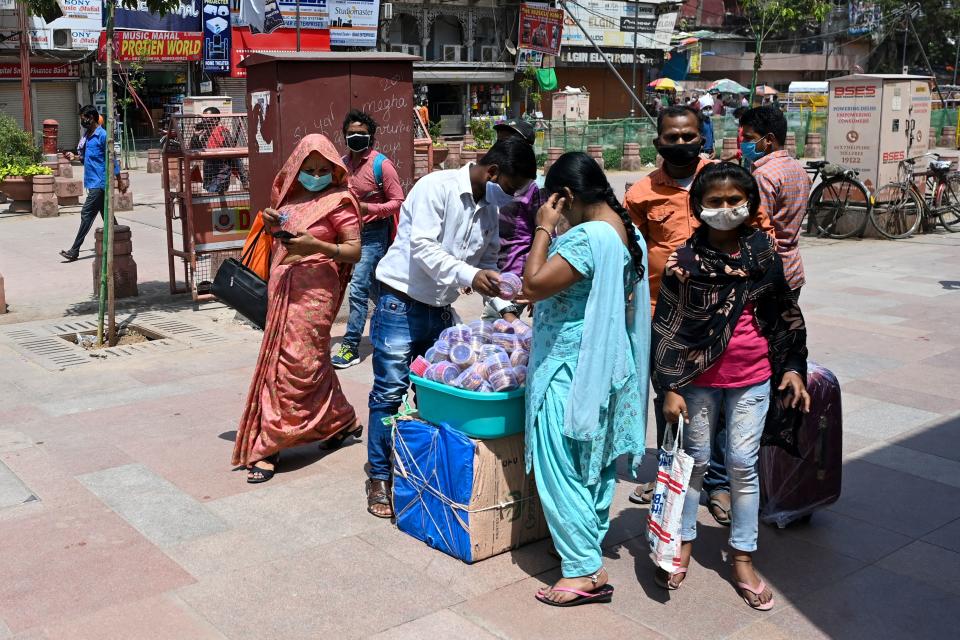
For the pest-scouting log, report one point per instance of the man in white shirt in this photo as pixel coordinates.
(448, 240)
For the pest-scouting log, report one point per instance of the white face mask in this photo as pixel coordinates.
(497, 196)
(725, 219)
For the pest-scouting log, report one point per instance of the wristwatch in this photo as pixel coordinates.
(514, 309)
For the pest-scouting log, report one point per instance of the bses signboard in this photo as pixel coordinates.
(216, 36)
(540, 29)
(153, 46)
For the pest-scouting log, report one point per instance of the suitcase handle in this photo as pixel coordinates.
(819, 453)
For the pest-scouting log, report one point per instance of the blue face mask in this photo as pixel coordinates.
(315, 183)
(749, 151)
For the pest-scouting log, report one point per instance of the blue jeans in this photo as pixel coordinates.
(401, 330)
(374, 240)
(745, 411)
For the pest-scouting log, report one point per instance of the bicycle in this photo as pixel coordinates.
(839, 206)
(901, 207)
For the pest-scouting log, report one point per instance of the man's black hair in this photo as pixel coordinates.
(739, 111)
(513, 156)
(766, 120)
(356, 115)
(211, 110)
(89, 111)
(676, 111)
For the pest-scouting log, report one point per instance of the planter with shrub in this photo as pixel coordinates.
(20, 159)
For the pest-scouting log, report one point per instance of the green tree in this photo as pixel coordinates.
(937, 22)
(769, 17)
(161, 7)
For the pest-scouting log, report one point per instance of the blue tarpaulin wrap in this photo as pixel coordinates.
(432, 485)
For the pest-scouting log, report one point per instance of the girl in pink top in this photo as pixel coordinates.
(724, 331)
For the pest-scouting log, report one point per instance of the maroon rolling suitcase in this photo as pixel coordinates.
(792, 488)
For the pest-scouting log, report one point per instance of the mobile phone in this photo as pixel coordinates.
(283, 234)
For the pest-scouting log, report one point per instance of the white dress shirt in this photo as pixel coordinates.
(443, 240)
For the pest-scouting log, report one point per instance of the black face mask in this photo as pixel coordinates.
(680, 155)
(86, 124)
(358, 142)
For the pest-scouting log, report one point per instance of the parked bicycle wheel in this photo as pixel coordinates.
(839, 208)
(947, 203)
(896, 211)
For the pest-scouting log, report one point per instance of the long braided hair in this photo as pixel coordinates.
(583, 176)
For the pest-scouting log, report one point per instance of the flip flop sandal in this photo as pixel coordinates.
(719, 509)
(643, 494)
(666, 584)
(743, 586)
(378, 497)
(602, 594)
(264, 474)
(335, 442)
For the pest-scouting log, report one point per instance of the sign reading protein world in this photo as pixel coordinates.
(353, 23)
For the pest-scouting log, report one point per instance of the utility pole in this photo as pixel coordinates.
(24, 26)
(298, 25)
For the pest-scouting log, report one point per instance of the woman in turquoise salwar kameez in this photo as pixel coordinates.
(589, 368)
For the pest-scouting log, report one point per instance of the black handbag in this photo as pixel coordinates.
(240, 288)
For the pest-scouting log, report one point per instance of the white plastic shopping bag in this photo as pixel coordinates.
(666, 508)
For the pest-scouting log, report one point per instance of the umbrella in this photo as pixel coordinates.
(728, 86)
(665, 84)
(766, 90)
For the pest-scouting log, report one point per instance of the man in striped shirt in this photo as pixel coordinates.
(784, 184)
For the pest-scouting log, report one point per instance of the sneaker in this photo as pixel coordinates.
(345, 357)
(69, 257)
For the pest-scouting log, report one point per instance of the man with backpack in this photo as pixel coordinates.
(375, 184)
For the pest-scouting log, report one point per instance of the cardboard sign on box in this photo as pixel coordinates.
(471, 499)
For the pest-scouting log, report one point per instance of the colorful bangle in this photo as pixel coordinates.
(545, 230)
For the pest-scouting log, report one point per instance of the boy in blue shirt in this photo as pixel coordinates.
(94, 150)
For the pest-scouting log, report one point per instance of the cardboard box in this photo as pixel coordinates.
(471, 499)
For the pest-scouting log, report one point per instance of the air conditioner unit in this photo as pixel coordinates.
(489, 53)
(411, 49)
(62, 39)
(451, 52)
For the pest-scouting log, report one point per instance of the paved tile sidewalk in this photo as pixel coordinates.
(122, 517)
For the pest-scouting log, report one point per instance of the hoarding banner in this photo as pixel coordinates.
(696, 53)
(353, 23)
(153, 46)
(42, 71)
(645, 20)
(541, 29)
(864, 17)
(185, 18)
(602, 20)
(527, 58)
(216, 36)
(246, 43)
(313, 14)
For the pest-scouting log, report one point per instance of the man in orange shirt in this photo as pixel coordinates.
(659, 205)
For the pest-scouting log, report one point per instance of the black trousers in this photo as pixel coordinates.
(91, 207)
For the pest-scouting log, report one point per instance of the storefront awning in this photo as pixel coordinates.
(459, 76)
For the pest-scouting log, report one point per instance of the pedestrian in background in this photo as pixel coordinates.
(659, 205)
(295, 396)
(586, 401)
(93, 148)
(784, 184)
(726, 329)
(375, 184)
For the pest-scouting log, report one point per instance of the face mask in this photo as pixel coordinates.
(680, 155)
(315, 183)
(86, 124)
(725, 219)
(358, 142)
(497, 196)
(750, 152)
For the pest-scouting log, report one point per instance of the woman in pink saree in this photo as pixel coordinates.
(295, 397)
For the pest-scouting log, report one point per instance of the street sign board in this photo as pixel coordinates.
(639, 24)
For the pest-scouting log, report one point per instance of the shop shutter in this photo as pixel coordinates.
(11, 101)
(58, 100)
(236, 88)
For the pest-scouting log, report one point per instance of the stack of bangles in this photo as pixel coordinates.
(545, 230)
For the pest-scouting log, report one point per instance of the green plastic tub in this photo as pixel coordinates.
(477, 415)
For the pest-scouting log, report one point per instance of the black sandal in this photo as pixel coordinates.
(335, 442)
(380, 496)
(256, 475)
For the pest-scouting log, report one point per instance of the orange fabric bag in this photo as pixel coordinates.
(259, 258)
